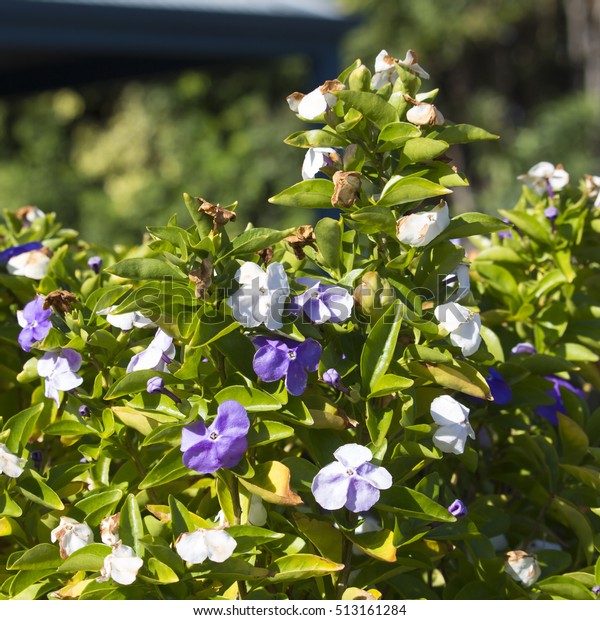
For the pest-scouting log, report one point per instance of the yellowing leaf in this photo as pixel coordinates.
(379, 545)
(271, 481)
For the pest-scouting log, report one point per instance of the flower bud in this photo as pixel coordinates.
(360, 79)
(425, 114)
(95, 263)
(457, 509)
(523, 567)
(109, 530)
(374, 294)
(419, 229)
(347, 187)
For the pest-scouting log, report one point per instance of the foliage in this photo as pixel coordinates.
(406, 370)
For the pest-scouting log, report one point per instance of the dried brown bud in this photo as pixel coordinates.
(61, 301)
(266, 256)
(202, 277)
(219, 215)
(28, 214)
(109, 529)
(347, 186)
(303, 236)
(331, 86)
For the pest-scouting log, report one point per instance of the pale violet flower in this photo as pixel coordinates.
(522, 567)
(453, 420)
(419, 229)
(195, 547)
(122, 565)
(458, 282)
(33, 264)
(323, 302)
(545, 177)
(315, 159)
(59, 370)
(126, 321)
(315, 103)
(261, 296)
(463, 325)
(35, 321)
(10, 464)
(157, 356)
(385, 68)
(71, 536)
(350, 481)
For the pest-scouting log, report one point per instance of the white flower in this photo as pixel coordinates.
(10, 464)
(592, 184)
(523, 567)
(315, 159)
(157, 356)
(463, 325)
(71, 536)
(122, 565)
(419, 229)
(195, 547)
(59, 370)
(454, 427)
(315, 103)
(33, 264)
(109, 530)
(257, 514)
(458, 282)
(385, 68)
(544, 177)
(425, 114)
(261, 296)
(126, 321)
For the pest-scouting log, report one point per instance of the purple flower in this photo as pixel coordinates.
(505, 234)
(551, 213)
(37, 458)
(222, 444)
(84, 411)
(59, 371)
(280, 357)
(596, 590)
(457, 509)
(523, 348)
(155, 385)
(35, 322)
(501, 392)
(332, 377)
(95, 263)
(157, 356)
(323, 302)
(350, 481)
(550, 411)
(9, 253)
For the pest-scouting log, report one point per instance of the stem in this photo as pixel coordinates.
(235, 500)
(344, 577)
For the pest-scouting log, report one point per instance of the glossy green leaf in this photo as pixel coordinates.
(146, 269)
(422, 149)
(463, 133)
(402, 190)
(316, 138)
(309, 194)
(411, 503)
(328, 233)
(251, 399)
(89, 558)
(36, 489)
(170, 467)
(39, 557)
(21, 426)
(302, 566)
(373, 107)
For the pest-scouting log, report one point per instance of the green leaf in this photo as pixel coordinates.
(39, 557)
(8, 507)
(35, 489)
(379, 347)
(378, 545)
(309, 194)
(69, 428)
(322, 534)
(462, 134)
(302, 566)
(250, 398)
(389, 384)
(422, 149)
(267, 432)
(470, 224)
(398, 133)
(528, 225)
(204, 223)
(99, 504)
(574, 441)
(401, 190)
(456, 375)
(231, 569)
(255, 239)
(21, 426)
(169, 468)
(371, 106)
(137, 381)
(371, 220)
(500, 279)
(89, 558)
(328, 233)
(410, 503)
(145, 269)
(316, 138)
(565, 588)
(131, 527)
(271, 482)
(575, 352)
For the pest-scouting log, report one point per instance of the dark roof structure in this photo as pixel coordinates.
(52, 43)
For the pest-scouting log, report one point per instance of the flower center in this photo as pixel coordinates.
(292, 355)
(213, 435)
(314, 294)
(262, 290)
(350, 472)
(34, 323)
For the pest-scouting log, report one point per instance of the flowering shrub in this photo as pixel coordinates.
(310, 413)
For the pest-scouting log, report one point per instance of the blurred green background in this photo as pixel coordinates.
(117, 156)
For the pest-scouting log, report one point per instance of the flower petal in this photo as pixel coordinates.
(203, 457)
(379, 477)
(451, 438)
(353, 455)
(220, 545)
(270, 364)
(309, 354)
(232, 419)
(296, 378)
(446, 410)
(192, 434)
(191, 546)
(330, 486)
(277, 278)
(230, 450)
(362, 495)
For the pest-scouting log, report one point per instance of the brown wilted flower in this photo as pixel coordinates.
(266, 255)
(61, 301)
(219, 215)
(347, 186)
(109, 529)
(28, 214)
(202, 277)
(298, 240)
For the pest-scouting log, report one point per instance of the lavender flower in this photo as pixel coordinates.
(501, 392)
(523, 348)
(95, 263)
(280, 357)
(550, 411)
(457, 509)
(156, 385)
(350, 481)
(332, 377)
(59, 370)
(551, 213)
(157, 356)
(35, 321)
(84, 411)
(222, 444)
(9, 253)
(596, 590)
(323, 302)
